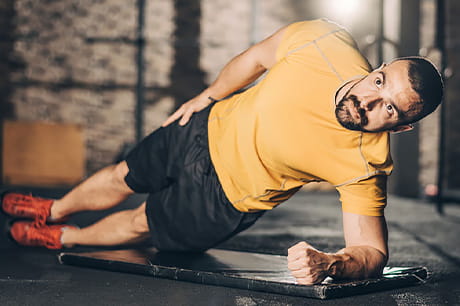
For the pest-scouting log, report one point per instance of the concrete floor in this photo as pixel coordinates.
(418, 237)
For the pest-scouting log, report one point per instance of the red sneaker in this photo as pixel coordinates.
(25, 233)
(28, 206)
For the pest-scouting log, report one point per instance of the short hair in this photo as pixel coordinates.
(427, 82)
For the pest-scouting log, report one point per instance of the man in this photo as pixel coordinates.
(319, 114)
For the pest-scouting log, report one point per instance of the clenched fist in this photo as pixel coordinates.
(308, 265)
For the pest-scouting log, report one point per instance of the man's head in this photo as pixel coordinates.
(392, 96)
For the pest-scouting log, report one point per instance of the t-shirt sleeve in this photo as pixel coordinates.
(365, 197)
(289, 39)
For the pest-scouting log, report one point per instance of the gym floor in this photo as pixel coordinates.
(418, 237)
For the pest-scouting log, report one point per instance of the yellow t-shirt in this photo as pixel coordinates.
(268, 141)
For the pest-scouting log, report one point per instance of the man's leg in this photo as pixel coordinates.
(129, 226)
(103, 190)
(124, 227)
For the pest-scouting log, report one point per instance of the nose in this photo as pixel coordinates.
(368, 103)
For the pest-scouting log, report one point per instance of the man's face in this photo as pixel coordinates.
(378, 102)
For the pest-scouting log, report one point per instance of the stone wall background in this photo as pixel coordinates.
(73, 61)
(7, 59)
(429, 126)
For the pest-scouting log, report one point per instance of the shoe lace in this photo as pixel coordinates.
(42, 210)
(18, 198)
(43, 236)
(42, 215)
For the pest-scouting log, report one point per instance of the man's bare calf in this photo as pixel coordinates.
(101, 191)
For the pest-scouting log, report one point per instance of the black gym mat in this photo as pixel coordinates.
(251, 271)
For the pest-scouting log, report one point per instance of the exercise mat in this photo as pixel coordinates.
(244, 270)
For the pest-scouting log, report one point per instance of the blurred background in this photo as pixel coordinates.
(83, 80)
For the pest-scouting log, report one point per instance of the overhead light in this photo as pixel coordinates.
(342, 9)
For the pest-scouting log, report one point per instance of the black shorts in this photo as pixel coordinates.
(187, 209)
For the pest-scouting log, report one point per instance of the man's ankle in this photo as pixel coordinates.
(67, 235)
(55, 213)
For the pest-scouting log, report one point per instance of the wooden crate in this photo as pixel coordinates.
(42, 154)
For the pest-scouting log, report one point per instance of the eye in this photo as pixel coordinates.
(390, 108)
(378, 82)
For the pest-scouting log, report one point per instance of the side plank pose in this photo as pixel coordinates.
(319, 114)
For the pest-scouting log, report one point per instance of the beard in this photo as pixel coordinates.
(344, 117)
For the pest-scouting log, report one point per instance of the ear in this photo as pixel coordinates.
(402, 128)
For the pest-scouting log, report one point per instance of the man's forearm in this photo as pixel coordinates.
(365, 256)
(357, 262)
(238, 73)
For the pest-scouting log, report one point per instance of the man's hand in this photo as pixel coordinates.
(308, 265)
(187, 109)
(365, 255)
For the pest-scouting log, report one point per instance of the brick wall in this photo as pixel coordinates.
(7, 59)
(78, 61)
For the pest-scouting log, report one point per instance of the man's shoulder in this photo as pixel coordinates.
(316, 27)
(332, 41)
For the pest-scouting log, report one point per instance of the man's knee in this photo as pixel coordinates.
(119, 172)
(139, 221)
